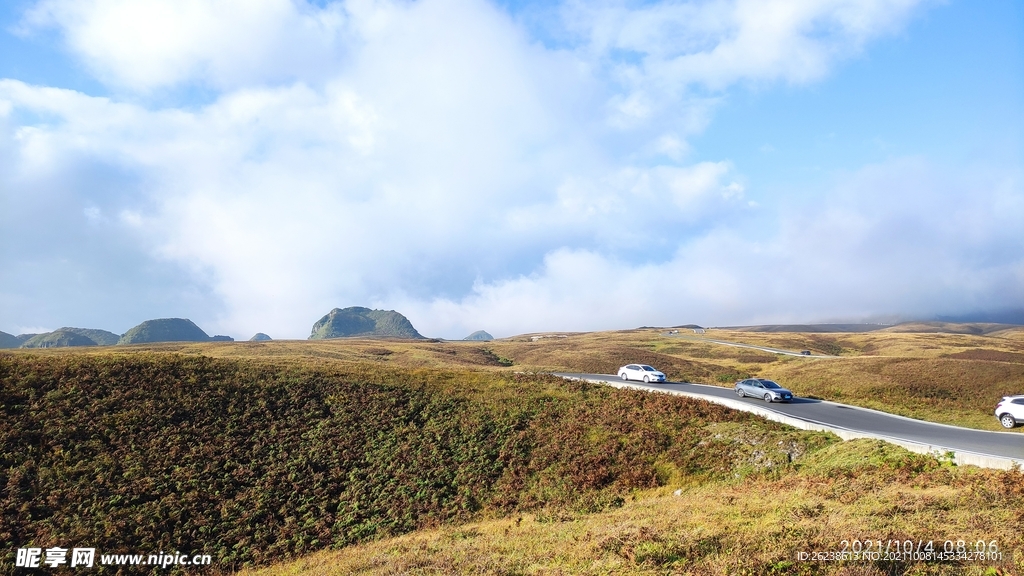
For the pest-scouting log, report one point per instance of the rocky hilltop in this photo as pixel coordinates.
(480, 336)
(363, 322)
(260, 337)
(165, 330)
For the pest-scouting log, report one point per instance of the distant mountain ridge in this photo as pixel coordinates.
(811, 328)
(923, 327)
(150, 331)
(479, 336)
(358, 321)
(61, 338)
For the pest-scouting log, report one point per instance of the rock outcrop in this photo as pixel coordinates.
(363, 322)
(164, 330)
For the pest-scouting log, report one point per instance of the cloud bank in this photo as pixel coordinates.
(446, 159)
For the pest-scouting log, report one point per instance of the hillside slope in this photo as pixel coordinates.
(9, 340)
(100, 337)
(856, 491)
(254, 462)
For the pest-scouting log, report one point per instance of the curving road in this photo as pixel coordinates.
(979, 447)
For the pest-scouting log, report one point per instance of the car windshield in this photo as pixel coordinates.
(770, 384)
(648, 368)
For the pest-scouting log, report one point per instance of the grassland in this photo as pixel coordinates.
(943, 377)
(253, 461)
(427, 457)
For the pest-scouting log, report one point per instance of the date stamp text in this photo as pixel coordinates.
(890, 550)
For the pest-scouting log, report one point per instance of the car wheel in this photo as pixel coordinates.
(768, 398)
(647, 380)
(623, 376)
(1007, 421)
(740, 393)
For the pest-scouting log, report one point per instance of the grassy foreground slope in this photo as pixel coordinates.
(254, 462)
(861, 490)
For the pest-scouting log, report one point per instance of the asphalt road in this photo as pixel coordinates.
(1002, 444)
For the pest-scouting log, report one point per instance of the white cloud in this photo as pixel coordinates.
(624, 208)
(720, 42)
(661, 53)
(146, 45)
(873, 247)
(32, 330)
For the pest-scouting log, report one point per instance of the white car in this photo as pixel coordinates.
(1010, 411)
(641, 372)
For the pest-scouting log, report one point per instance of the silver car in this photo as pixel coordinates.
(641, 372)
(761, 388)
(1010, 411)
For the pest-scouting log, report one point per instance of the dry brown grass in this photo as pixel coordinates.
(944, 377)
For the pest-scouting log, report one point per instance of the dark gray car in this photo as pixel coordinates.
(761, 388)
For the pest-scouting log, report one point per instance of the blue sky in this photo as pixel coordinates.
(948, 86)
(513, 167)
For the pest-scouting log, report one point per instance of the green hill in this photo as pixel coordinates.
(479, 336)
(9, 340)
(100, 337)
(66, 336)
(61, 338)
(359, 321)
(260, 337)
(164, 330)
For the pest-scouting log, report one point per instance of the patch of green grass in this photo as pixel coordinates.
(860, 456)
(752, 525)
(499, 360)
